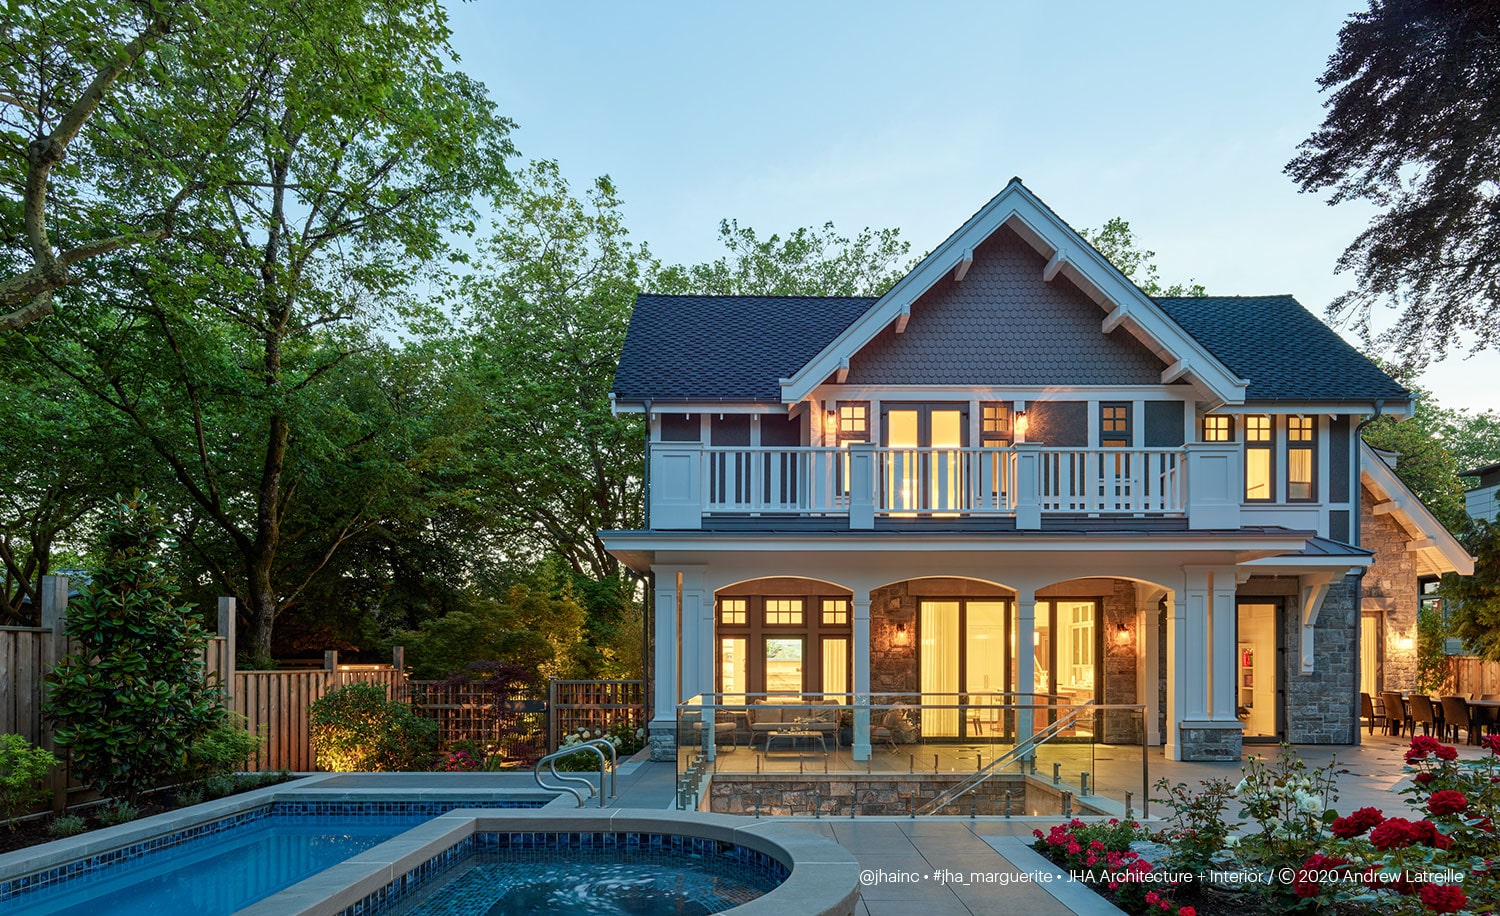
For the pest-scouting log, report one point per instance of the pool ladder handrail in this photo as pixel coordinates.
(595, 745)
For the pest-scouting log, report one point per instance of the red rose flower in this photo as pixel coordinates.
(1304, 884)
(1425, 743)
(1443, 898)
(1398, 833)
(1356, 823)
(1444, 752)
(1447, 802)
(1423, 779)
(1187, 911)
(1492, 742)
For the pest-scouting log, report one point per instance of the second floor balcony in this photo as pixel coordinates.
(689, 481)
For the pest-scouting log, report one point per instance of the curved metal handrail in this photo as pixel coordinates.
(593, 746)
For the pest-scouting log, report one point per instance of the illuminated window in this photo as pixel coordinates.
(1114, 425)
(1259, 484)
(733, 611)
(1300, 458)
(784, 611)
(835, 611)
(733, 669)
(995, 425)
(854, 421)
(1218, 429)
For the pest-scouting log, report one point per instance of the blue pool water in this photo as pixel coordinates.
(216, 874)
(613, 881)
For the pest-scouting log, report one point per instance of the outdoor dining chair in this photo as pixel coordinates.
(1457, 713)
(1395, 712)
(1422, 714)
(1367, 710)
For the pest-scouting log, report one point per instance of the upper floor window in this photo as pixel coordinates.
(995, 424)
(1218, 429)
(1259, 441)
(854, 421)
(1114, 425)
(836, 611)
(1301, 457)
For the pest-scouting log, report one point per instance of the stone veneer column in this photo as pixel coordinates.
(861, 698)
(1149, 677)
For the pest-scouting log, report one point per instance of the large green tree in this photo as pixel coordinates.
(346, 155)
(1118, 243)
(1412, 126)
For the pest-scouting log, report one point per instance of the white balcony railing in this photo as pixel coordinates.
(689, 480)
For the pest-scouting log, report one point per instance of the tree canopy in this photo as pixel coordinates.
(1118, 243)
(1412, 126)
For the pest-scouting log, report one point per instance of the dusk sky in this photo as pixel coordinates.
(1178, 117)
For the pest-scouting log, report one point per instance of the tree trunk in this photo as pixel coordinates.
(262, 614)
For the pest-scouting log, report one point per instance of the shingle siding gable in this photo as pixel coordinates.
(1003, 325)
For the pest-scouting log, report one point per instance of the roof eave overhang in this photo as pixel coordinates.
(1123, 302)
(1444, 554)
(638, 549)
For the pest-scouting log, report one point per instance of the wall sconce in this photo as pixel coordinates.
(831, 422)
(1405, 643)
(1036, 638)
(1122, 635)
(1021, 424)
(902, 636)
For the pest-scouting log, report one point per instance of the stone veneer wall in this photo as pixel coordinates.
(1320, 706)
(843, 795)
(1390, 591)
(893, 668)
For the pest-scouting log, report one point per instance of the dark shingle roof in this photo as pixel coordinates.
(732, 347)
(1281, 348)
(738, 347)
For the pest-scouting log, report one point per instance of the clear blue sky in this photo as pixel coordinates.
(1177, 116)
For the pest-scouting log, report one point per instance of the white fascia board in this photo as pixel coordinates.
(1041, 228)
(1246, 548)
(658, 408)
(1445, 551)
(1003, 393)
(1301, 566)
(1327, 408)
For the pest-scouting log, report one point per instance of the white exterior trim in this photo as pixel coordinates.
(1021, 210)
(1435, 544)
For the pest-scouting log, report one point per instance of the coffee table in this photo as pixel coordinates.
(792, 736)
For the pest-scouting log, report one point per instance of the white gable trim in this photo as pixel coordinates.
(1431, 540)
(1066, 250)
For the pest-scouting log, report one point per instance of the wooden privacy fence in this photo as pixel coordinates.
(597, 705)
(276, 705)
(1474, 675)
(514, 728)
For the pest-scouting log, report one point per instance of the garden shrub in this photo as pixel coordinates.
(134, 695)
(67, 825)
(356, 729)
(625, 736)
(222, 751)
(118, 813)
(23, 776)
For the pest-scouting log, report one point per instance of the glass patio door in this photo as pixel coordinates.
(964, 667)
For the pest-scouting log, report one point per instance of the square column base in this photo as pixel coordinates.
(1210, 740)
(662, 739)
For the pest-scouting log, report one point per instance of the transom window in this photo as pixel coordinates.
(1114, 425)
(1218, 429)
(854, 421)
(783, 611)
(835, 611)
(733, 611)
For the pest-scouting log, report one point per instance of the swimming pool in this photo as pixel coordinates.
(223, 864)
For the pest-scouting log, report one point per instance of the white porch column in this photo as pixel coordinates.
(861, 698)
(1194, 672)
(697, 633)
(1025, 659)
(664, 664)
(1225, 646)
(1148, 685)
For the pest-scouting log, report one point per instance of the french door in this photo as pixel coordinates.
(923, 463)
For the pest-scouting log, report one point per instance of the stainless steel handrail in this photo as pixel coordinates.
(1009, 757)
(593, 745)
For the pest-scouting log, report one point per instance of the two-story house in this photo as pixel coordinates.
(1013, 473)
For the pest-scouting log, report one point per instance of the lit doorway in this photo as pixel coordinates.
(1257, 680)
(963, 666)
(1369, 655)
(923, 459)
